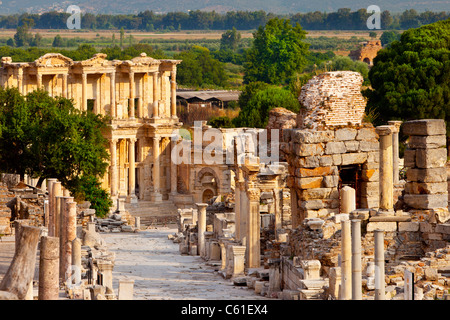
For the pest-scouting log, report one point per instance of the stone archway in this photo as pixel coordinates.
(207, 194)
(367, 60)
(207, 183)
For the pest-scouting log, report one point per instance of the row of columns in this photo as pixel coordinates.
(157, 91)
(114, 183)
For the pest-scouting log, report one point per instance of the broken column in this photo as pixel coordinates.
(425, 158)
(49, 269)
(346, 267)
(395, 150)
(356, 260)
(386, 206)
(55, 187)
(379, 265)
(201, 228)
(76, 260)
(348, 199)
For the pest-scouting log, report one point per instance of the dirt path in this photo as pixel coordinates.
(160, 272)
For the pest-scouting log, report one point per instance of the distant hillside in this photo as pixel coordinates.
(275, 6)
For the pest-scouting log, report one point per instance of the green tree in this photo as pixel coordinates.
(221, 122)
(200, 69)
(23, 37)
(48, 137)
(255, 107)
(277, 53)
(58, 41)
(389, 36)
(410, 79)
(230, 39)
(122, 37)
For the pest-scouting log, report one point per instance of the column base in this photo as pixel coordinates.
(173, 195)
(385, 212)
(132, 199)
(156, 197)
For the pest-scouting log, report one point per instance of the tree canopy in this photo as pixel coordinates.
(257, 99)
(48, 137)
(411, 78)
(277, 53)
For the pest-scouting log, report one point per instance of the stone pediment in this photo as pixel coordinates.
(142, 60)
(97, 60)
(53, 60)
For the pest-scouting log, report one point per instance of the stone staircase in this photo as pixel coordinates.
(153, 213)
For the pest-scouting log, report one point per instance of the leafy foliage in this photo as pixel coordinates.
(257, 99)
(411, 78)
(277, 53)
(90, 190)
(221, 122)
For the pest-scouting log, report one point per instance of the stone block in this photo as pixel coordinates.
(431, 158)
(385, 226)
(317, 193)
(334, 147)
(425, 127)
(423, 142)
(305, 150)
(312, 204)
(426, 175)
(345, 134)
(315, 172)
(308, 183)
(367, 134)
(305, 136)
(426, 187)
(370, 188)
(408, 226)
(352, 146)
(409, 158)
(330, 181)
(426, 201)
(325, 161)
(354, 158)
(337, 159)
(443, 228)
(426, 227)
(366, 146)
(311, 269)
(373, 156)
(370, 175)
(310, 162)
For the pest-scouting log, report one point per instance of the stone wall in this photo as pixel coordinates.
(5, 211)
(316, 159)
(331, 99)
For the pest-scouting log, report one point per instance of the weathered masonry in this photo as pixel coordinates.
(139, 95)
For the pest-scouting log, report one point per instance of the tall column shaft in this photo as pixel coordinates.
(386, 169)
(346, 267)
(113, 94)
(70, 233)
(53, 218)
(132, 94)
(379, 265)
(132, 169)
(395, 150)
(173, 94)
(65, 85)
(155, 95)
(156, 169)
(356, 260)
(39, 80)
(84, 92)
(114, 181)
(201, 228)
(253, 229)
(173, 171)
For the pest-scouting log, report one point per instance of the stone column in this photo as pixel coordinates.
(173, 100)
(137, 222)
(173, 171)
(65, 86)
(39, 80)
(84, 92)
(20, 80)
(348, 199)
(49, 269)
(237, 209)
(76, 260)
(395, 155)
(379, 265)
(114, 181)
(49, 214)
(70, 234)
(155, 95)
(53, 218)
(346, 267)
(356, 260)
(64, 221)
(156, 196)
(132, 94)
(113, 95)
(253, 229)
(201, 228)
(386, 170)
(132, 171)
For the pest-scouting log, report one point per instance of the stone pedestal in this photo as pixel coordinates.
(125, 289)
(236, 257)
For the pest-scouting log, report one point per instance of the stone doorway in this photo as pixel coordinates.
(350, 175)
(207, 195)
